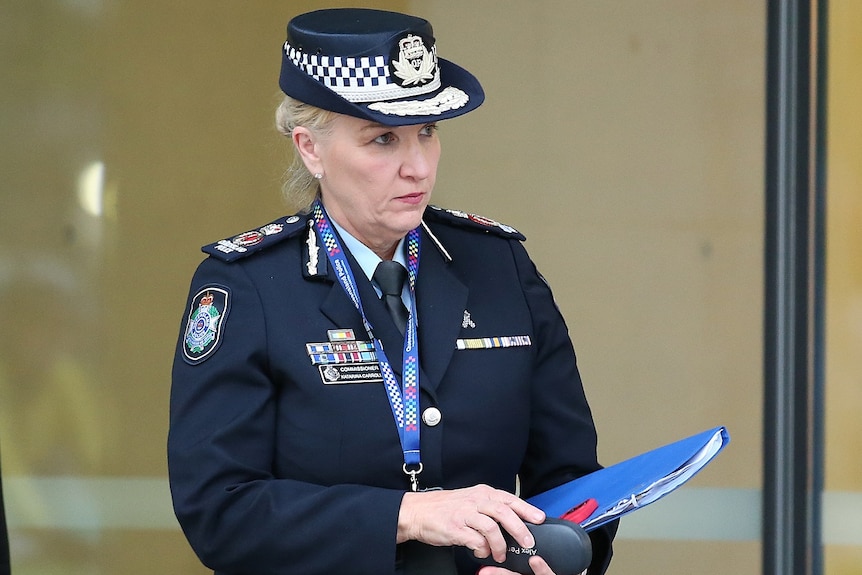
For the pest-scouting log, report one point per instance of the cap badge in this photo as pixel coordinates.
(416, 65)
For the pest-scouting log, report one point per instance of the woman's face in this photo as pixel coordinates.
(377, 180)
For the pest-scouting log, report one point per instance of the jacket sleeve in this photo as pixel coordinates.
(238, 516)
(562, 444)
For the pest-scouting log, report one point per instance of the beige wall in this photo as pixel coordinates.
(624, 138)
(844, 277)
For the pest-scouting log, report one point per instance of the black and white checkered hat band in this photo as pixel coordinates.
(358, 80)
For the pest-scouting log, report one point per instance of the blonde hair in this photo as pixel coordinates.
(300, 188)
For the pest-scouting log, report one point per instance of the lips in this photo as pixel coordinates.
(415, 198)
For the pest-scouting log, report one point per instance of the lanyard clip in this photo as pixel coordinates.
(413, 474)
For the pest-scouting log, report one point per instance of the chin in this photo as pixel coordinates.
(413, 219)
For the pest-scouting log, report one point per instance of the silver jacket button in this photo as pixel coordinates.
(432, 416)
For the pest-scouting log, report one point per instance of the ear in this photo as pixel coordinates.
(307, 144)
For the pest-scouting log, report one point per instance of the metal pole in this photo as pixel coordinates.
(793, 296)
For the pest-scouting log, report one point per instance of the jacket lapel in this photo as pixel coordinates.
(338, 307)
(440, 296)
(442, 299)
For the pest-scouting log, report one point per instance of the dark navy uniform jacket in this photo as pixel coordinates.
(275, 471)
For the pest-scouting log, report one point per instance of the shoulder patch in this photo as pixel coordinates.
(208, 311)
(253, 241)
(472, 221)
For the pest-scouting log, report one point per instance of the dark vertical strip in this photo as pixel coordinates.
(793, 347)
(5, 567)
(819, 288)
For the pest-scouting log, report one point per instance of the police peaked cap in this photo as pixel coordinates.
(373, 64)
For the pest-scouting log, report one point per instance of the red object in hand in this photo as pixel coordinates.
(581, 511)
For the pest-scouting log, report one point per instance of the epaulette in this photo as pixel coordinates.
(472, 221)
(253, 241)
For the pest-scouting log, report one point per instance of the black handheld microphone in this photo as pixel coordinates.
(564, 545)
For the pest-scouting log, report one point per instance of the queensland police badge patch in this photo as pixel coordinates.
(207, 314)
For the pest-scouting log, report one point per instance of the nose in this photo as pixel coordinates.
(419, 161)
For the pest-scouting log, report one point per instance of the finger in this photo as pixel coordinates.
(527, 512)
(491, 534)
(506, 501)
(476, 543)
(539, 566)
(491, 570)
(509, 517)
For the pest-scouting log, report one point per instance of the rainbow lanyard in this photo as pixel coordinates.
(403, 398)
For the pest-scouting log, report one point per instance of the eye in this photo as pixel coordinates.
(429, 129)
(385, 139)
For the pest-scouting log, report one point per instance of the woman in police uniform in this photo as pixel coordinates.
(324, 421)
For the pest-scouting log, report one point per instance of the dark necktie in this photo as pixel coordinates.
(389, 277)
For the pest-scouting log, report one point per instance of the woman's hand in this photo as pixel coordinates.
(537, 564)
(471, 518)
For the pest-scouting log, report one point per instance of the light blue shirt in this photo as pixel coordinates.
(368, 260)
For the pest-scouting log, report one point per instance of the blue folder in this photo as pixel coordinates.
(636, 482)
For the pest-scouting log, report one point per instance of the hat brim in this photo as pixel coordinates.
(299, 85)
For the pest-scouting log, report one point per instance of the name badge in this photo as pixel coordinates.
(356, 373)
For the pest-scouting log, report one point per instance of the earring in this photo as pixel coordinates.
(318, 176)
